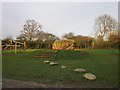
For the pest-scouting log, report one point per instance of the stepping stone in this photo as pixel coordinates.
(89, 76)
(47, 62)
(53, 63)
(79, 70)
(63, 67)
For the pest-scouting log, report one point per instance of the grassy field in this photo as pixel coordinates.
(101, 62)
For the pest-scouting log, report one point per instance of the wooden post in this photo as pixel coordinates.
(10, 46)
(20, 48)
(15, 47)
(93, 45)
(25, 46)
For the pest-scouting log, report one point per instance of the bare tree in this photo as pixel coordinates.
(21, 37)
(46, 36)
(68, 35)
(118, 26)
(8, 37)
(41, 35)
(103, 25)
(31, 29)
(50, 36)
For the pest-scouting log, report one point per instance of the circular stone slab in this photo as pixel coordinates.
(53, 63)
(79, 70)
(47, 62)
(63, 67)
(89, 76)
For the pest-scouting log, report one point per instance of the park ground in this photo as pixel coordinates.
(24, 67)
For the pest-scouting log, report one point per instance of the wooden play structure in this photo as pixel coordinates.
(63, 44)
(12, 44)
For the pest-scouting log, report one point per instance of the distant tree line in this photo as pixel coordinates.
(35, 37)
(80, 41)
(106, 35)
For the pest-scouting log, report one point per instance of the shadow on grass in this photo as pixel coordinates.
(70, 55)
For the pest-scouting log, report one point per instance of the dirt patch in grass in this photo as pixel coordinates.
(10, 83)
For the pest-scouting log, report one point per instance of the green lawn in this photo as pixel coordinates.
(101, 62)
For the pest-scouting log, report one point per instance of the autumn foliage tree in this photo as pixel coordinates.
(82, 41)
(114, 39)
(68, 35)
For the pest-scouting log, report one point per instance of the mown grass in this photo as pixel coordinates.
(101, 62)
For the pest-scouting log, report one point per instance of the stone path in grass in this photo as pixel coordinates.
(10, 83)
(46, 54)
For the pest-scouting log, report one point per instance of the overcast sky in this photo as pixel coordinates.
(56, 17)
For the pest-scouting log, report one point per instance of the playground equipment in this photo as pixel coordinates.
(63, 44)
(12, 44)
